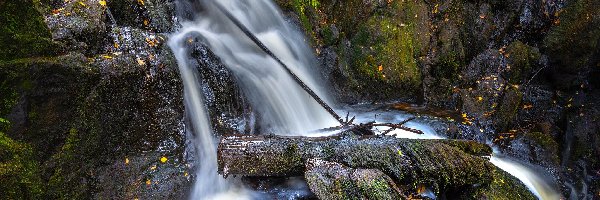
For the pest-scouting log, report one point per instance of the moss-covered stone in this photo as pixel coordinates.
(508, 107)
(572, 41)
(547, 145)
(23, 32)
(503, 187)
(522, 60)
(330, 180)
(19, 172)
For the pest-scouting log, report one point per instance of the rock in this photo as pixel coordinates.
(330, 180)
(572, 43)
(152, 15)
(23, 33)
(79, 25)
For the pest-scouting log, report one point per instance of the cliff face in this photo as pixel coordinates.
(95, 97)
(522, 73)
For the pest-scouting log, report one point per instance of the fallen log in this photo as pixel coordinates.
(442, 162)
(402, 167)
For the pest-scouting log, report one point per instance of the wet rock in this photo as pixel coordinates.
(330, 180)
(143, 177)
(228, 108)
(79, 25)
(154, 15)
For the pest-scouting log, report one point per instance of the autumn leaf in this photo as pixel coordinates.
(140, 61)
(102, 3)
(57, 11)
(380, 68)
(148, 182)
(141, 2)
(126, 160)
(163, 159)
(82, 4)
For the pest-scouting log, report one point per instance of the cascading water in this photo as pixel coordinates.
(533, 180)
(283, 107)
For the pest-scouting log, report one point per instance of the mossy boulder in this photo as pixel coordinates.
(23, 32)
(522, 60)
(572, 43)
(20, 173)
(330, 180)
(378, 45)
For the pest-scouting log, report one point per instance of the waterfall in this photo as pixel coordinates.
(283, 107)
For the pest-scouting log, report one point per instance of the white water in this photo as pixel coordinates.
(535, 181)
(532, 179)
(283, 107)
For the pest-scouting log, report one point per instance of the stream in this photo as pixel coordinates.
(284, 107)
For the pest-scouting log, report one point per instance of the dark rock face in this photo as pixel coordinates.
(105, 118)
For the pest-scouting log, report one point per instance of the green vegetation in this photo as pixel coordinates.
(23, 32)
(522, 59)
(19, 172)
(571, 43)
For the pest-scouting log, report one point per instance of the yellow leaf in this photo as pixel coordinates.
(163, 159)
(421, 189)
(82, 4)
(102, 2)
(140, 61)
(141, 2)
(185, 174)
(107, 57)
(146, 22)
(479, 98)
(148, 182)
(116, 45)
(380, 68)
(153, 167)
(126, 160)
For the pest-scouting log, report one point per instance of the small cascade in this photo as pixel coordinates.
(534, 181)
(282, 105)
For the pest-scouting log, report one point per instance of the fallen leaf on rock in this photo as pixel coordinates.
(140, 61)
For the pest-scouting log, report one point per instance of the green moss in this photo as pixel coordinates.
(503, 187)
(572, 41)
(522, 58)
(546, 142)
(378, 188)
(19, 173)
(507, 111)
(23, 32)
